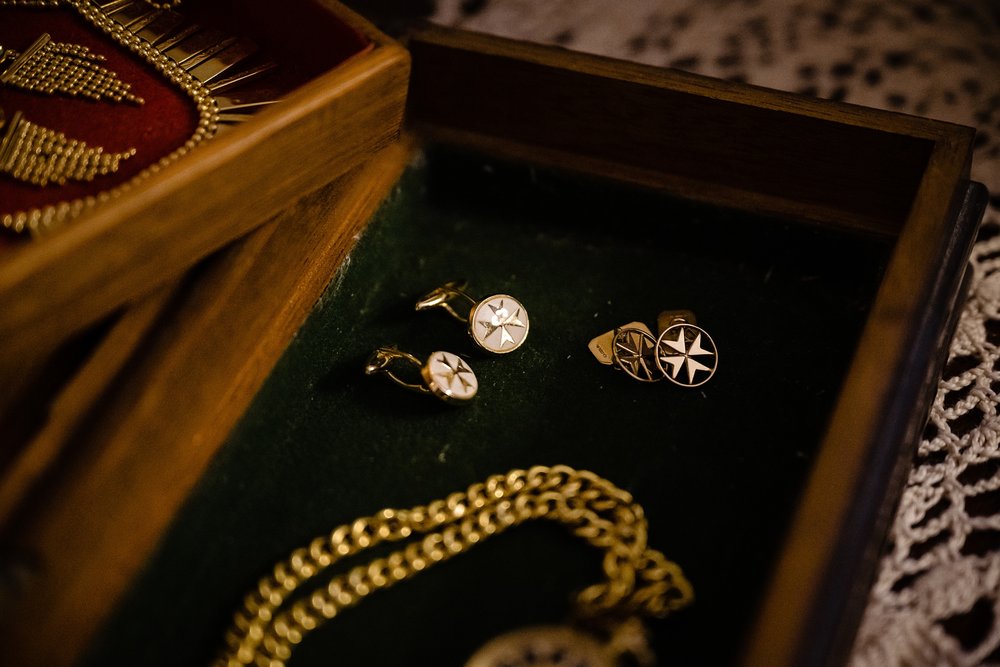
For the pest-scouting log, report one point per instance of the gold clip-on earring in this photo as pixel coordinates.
(497, 324)
(444, 375)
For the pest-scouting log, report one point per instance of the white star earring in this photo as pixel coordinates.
(444, 375)
(497, 324)
(683, 353)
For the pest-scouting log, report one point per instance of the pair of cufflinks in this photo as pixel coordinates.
(682, 352)
(497, 324)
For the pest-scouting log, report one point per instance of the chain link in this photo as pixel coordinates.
(639, 580)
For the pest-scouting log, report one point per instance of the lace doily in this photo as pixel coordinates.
(936, 599)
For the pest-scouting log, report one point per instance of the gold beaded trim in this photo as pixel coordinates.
(68, 69)
(38, 155)
(40, 220)
(30, 3)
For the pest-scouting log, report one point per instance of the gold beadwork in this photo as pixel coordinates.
(69, 69)
(37, 221)
(30, 3)
(38, 155)
(639, 580)
(196, 79)
(171, 4)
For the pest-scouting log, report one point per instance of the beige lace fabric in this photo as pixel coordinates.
(936, 599)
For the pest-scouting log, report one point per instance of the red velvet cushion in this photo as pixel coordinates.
(302, 37)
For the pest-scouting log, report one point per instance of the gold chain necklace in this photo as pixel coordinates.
(640, 581)
(39, 220)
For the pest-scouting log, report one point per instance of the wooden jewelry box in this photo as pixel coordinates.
(824, 245)
(330, 63)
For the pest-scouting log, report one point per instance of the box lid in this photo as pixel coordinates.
(158, 216)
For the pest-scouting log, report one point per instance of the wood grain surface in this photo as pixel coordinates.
(70, 408)
(94, 522)
(159, 229)
(701, 138)
(807, 160)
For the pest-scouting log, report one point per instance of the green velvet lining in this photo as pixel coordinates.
(717, 468)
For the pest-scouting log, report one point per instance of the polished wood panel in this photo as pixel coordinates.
(810, 161)
(70, 408)
(701, 138)
(156, 231)
(95, 520)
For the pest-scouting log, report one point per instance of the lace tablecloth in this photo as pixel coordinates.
(936, 599)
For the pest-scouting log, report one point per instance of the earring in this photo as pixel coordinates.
(444, 375)
(497, 324)
(683, 353)
(69, 69)
(40, 156)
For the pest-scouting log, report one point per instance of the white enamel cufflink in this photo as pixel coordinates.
(497, 324)
(444, 375)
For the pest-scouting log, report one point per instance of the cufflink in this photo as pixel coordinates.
(443, 375)
(683, 352)
(497, 324)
